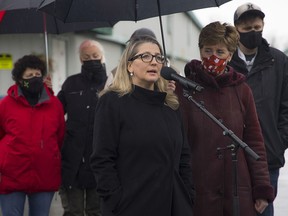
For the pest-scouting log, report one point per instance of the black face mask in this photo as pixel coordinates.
(94, 70)
(33, 85)
(251, 39)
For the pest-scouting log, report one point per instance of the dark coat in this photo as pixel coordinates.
(141, 156)
(79, 96)
(230, 100)
(30, 141)
(268, 80)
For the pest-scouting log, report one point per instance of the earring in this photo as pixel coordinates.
(131, 74)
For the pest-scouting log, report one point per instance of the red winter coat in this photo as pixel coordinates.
(30, 142)
(229, 99)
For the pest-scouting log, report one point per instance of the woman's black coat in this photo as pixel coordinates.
(141, 157)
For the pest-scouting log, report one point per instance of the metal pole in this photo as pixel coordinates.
(161, 28)
(46, 42)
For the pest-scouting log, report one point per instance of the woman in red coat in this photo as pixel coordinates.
(31, 134)
(229, 99)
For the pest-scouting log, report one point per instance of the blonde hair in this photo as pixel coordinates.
(122, 83)
(90, 43)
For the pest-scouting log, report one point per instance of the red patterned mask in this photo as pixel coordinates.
(214, 65)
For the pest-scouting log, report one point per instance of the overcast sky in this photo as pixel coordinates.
(276, 16)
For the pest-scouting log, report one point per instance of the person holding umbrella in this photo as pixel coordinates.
(32, 129)
(229, 99)
(79, 96)
(140, 153)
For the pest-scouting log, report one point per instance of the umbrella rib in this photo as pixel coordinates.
(136, 10)
(161, 28)
(46, 41)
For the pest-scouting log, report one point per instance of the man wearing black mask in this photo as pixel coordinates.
(266, 70)
(79, 96)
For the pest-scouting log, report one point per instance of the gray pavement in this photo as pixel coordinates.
(56, 207)
(281, 201)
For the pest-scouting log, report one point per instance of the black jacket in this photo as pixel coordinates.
(142, 164)
(268, 80)
(79, 98)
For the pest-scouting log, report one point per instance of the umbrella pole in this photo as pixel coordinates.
(46, 42)
(161, 28)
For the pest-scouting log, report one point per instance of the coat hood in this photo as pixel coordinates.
(15, 92)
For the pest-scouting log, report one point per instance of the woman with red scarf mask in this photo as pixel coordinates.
(227, 97)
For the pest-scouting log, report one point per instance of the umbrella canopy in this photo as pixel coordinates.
(120, 10)
(33, 21)
(18, 17)
(116, 10)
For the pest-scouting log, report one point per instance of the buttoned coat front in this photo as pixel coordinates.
(141, 156)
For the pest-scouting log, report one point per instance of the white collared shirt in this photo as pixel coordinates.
(249, 64)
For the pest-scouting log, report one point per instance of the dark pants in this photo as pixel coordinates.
(80, 202)
(274, 174)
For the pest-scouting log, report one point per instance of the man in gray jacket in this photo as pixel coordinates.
(266, 70)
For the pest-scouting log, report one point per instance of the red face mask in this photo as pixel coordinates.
(214, 65)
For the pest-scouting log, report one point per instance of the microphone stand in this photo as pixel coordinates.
(236, 143)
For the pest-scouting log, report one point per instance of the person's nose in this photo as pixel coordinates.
(153, 61)
(214, 53)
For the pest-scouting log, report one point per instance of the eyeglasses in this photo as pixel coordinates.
(147, 58)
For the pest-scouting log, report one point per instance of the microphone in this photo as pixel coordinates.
(169, 73)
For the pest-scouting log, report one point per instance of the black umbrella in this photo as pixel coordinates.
(120, 10)
(22, 16)
(33, 21)
(116, 10)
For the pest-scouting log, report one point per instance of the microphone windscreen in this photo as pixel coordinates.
(166, 72)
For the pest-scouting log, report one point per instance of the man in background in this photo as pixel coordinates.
(79, 96)
(266, 70)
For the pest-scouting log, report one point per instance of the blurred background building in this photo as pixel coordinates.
(181, 32)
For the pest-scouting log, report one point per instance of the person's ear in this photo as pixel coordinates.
(129, 67)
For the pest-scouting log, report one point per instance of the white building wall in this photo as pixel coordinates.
(180, 36)
(17, 46)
